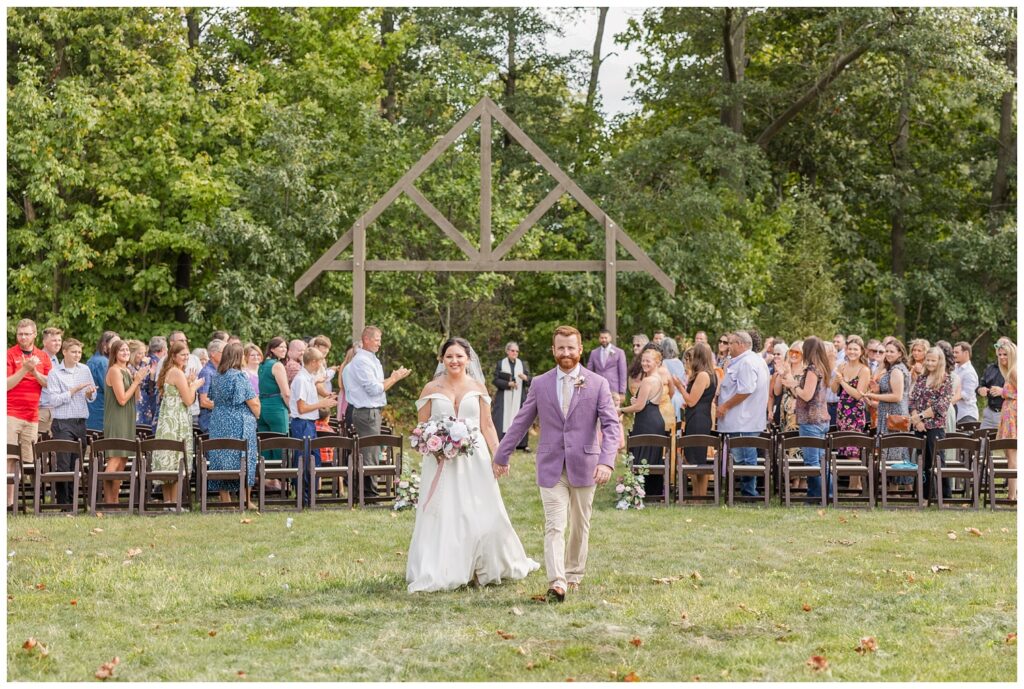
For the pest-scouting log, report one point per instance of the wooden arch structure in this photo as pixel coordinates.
(487, 258)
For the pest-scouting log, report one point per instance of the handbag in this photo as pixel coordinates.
(897, 422)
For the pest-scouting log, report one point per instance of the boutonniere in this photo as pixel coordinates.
(579, 383)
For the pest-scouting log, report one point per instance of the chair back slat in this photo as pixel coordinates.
(337, 442)
(646, 440)
(163, 444)
(755, 442)
(224, 444)
(971, 444)
(381, 440)
(699, 440)
(804, 441)
(281, 443)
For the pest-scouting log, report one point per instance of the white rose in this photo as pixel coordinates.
(622, 505)
(403, 484)
(458, 431)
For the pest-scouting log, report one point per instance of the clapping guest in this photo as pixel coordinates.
(1008, 413)
(648, 419)
(658, 337)
(52, 341)
(892, 397)
(698, 397)
(918, 350)
(274, 392)
(119, 410)
(635, 369)
(722, 360)
(293, 363)
(967, 401)
(177, 393)
(776, 368)
(208, 374)
(850, 383)
(149, 401)
(929, 404)
(305, 407)
(742, 400)
(512, 380)
(71, 388)
(794, 367)
(235, 410)
(811, 410)
(98, 364)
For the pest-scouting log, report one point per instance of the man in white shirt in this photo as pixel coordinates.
(967, 402)
(742, 400)
(52, 341)
(365, 388)
(71, 388)
(304, 409)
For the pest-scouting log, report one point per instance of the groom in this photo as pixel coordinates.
(570, 401)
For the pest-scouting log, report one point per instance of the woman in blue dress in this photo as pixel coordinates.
(235, 410)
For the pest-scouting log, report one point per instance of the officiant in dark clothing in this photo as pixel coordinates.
(512, 378)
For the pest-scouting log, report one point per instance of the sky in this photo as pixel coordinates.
(614, 87)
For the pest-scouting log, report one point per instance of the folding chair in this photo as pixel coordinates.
(968, 426)
(290, 467)
(791, 468)
(863, 465)
(205, 474)
(781, 459)
(915, 447)
(390, 468)
(762, 469)
(658, 441)
(346, 452)
(966, 465)
(144, 431)
(15, 478)
(46, 473)
(147, 475)
(712, 468)
(1000, 470)
(98, 451)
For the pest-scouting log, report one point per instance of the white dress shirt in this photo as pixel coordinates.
(364, 381)
(746, 374)
(574, 374)
(968, 404)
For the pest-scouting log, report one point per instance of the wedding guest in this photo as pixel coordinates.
(97, 365)
(149, 397)
(344, 409)
(755, 340)
(304, 410)
(512, 380)
(52, 340)
(701, 336)
(722, 360)
(221, 335)
(929, 404)
(366, 388)
(635, 372)
(136, 351)
(851, 382)
(794, 367)
(177, 392)
(70, 388)
(994, 376)
(1008, 413)
(609, 362)
(837, 351)
(742, 399)
(208, 374)
(192, 368)
(918, 349)
(893, 396)
(811, 410)
(274, 394)
(950, 427)
(658, 337)
(675, 368)
(235, 410)
(698, 397)
(253, 358)
(776, 368)
(119, 410)
(648, 419)
(876, 355)
(27, 370)
(293, 364)
(967, 401)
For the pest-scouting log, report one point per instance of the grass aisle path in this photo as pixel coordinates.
(210, 598)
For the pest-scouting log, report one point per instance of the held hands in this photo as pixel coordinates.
(602, 473)
(499, 470)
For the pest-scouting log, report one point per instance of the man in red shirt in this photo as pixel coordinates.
(27, 368)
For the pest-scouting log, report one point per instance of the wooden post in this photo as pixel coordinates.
(609, 276)
(485, 185)
(358, 280)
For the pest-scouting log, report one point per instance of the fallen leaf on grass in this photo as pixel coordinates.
(637, 641)
(842, 520)
(806, 607)
(540, 598)
(99, 515)
(30, 643)
(360, 560)
(241, 673)
(910, 578)
(867, 645)
(695, 575)
(1004, 530)
(132, 552)
(951, 535)
(10, 597)
(74, 602)
(517, 612)
(973, 531)
(821, 513)
(96, 530)
(40, 587)
(665, 580)
(505, 635)
(245, 521)
(529, 666)
(941, 568)
(1011, 638)
(398, 552)
(631, 677)
(521, 651)
(689, 521)
(106, 670)
(817, 663)
(212, 632)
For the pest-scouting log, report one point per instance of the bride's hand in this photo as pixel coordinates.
(499, 470)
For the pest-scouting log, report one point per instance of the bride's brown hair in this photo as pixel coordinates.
(455, 341)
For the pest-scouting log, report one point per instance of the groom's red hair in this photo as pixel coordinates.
(567, 331)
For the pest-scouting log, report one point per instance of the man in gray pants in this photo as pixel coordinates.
(365, 388)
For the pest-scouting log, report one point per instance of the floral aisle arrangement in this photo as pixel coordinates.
(629, 490)
(445, 440)
(408, 493)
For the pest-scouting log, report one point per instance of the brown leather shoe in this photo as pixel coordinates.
(555, 594)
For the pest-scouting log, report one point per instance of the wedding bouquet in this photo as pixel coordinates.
(408, 491)
(630, 487)
(444, 438)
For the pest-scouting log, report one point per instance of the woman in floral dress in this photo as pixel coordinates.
(851, 384)
(235, 410)
(1008, 417)
(174, 422)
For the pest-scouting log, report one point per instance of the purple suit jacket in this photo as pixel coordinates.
(613, 370)
(567, 442)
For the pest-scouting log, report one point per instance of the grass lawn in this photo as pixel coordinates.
(760, 591)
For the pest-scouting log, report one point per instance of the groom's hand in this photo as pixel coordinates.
(499, 470)
(602, 473)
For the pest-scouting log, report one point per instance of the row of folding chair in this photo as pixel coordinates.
(295, 468)
(975, 465)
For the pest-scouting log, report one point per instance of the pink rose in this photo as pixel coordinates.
(434, 443)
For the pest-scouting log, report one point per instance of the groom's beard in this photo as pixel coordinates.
(568, 363)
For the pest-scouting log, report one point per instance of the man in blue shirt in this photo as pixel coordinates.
(98, 364)
(209, 372)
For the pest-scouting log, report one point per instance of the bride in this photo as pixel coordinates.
(462, 533)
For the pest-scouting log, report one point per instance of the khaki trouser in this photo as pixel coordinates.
(45, 420)
(561, 503)
(21, 433)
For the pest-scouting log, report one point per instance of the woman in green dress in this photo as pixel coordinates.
(119, 391)
(274, 392)
(177, 392)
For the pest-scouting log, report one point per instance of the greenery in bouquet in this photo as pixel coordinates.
(407, 495)
(629, 489)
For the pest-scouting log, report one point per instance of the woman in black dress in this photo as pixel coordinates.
(648, 419)
(700, 393)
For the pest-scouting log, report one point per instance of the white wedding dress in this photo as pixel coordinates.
(464, 531)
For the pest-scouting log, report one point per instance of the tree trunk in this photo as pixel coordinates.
(595, 58)
(900, 148)
(388, 104)
(192, 24)
(734, 44)
(510, 77)
(183, 269)
(1007, 145)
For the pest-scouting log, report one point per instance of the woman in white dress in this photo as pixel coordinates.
(462, 533)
